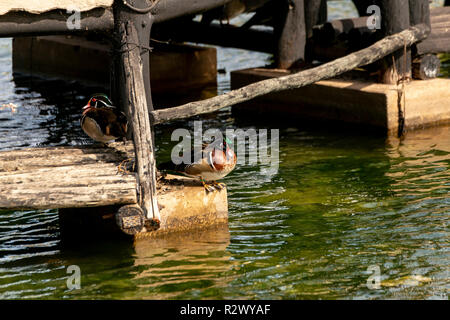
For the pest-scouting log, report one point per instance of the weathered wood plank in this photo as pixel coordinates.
(360, 58)
(65, 177)
(16, 24)
(63, 156)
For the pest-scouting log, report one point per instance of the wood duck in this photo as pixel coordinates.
(102, 121)
(217, 160)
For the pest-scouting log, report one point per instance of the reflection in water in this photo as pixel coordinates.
(197, 261)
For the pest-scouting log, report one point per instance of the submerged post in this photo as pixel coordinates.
(394, 19)
(132, 24)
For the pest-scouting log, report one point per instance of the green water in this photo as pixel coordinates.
(339, 205)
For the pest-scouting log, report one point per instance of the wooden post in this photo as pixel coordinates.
(427, 66)
(394, 19)
(315, 13)
(291, 34)
(362, 5)
(132, 45)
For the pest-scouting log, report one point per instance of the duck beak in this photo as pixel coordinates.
(86, 106)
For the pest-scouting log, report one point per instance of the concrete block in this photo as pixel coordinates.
(356, 101)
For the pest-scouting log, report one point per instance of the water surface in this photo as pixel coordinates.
(341, 204)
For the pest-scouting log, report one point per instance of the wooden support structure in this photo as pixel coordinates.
(132, 71)
(290, 31)
(15, 24)
(363, 57)
(394, 19)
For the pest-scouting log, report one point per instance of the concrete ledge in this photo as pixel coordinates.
(356, 101)
(184, 204)
(76, 58)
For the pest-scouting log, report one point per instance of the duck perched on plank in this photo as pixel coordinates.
(217, 160)
(102, 121)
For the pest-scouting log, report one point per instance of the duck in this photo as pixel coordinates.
(217, 161)
(102, 121)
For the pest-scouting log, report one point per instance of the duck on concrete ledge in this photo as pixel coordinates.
(102, 121)
(217, 161)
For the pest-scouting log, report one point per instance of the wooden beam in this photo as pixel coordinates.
(332, 30)
(15, 24)
(363, 57)
(134, 98)
(315, 14)
(216, 34)
(169, 9)
(65, 177)
(290, 30)
(347, 41)
(439, 39)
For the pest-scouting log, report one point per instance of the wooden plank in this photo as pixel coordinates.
(16, 24)
(65, 177)
(360, 58)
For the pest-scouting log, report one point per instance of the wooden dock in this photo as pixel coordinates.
(75, 178)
